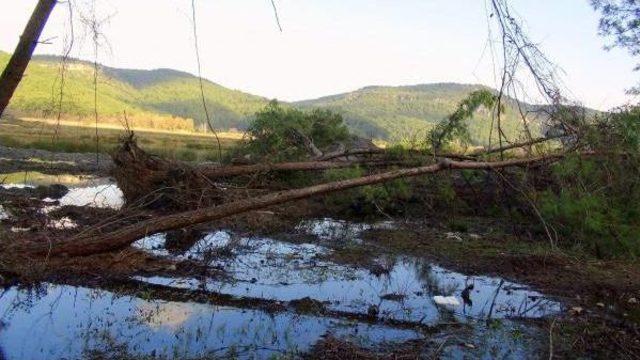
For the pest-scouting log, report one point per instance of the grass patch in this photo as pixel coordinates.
(79, 139)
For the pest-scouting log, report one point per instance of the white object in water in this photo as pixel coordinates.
(3, 213)
(62, 224)
(446, 300)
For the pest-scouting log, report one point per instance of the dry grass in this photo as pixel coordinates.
(68, 137)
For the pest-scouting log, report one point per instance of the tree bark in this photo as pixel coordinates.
(17, 65)
(354, 152)
(532, 142)
(87, 244)
(224, 171)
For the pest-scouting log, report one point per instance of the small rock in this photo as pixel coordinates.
(469, 346)
(253, 280)
(475, 236)
(454, 236)
(373, 311)
(632, 300)
(600, 305)
(307, 305)
(19, 229)
(393, 297)
(446, 300)
(576, 310)
(378, 270)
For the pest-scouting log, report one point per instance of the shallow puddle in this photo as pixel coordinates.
(63, 322)
(330, 230)
(271, 269)
(84, 190)
(362, 305)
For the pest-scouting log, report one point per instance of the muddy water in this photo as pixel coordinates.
(487, 320)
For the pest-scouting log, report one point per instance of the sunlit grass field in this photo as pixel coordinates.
(69, 137)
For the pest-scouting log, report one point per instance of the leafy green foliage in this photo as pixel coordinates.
(596, 203)
(277, 132)
(455, 127)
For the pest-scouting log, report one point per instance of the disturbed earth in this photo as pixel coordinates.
(255, 296)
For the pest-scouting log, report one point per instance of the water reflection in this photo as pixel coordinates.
(271, 269)
(62, 322)
(328, 229)
(83, 190)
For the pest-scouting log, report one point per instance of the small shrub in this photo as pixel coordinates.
(279, 133)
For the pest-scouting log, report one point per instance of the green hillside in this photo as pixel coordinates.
(170, 99)
(398, 112)
(163, 92)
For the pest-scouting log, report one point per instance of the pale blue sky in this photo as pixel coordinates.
(332, 46)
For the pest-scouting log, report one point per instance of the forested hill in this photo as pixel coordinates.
(377, 111)
(397, 111)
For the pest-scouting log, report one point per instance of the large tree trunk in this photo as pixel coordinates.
(88, 243)
(12, 74)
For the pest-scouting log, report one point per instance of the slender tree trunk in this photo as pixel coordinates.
(12, 74)
(87, 243)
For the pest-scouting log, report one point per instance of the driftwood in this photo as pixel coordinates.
(91, 243)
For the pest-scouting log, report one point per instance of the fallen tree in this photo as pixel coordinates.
(92, 242)
(139, 173)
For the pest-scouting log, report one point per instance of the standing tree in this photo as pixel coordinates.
(14, 70)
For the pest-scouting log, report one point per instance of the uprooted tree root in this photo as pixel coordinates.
(156, 183)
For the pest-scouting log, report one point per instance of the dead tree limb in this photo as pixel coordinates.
(227, 171)
(513, 146)
(17, 65)
(88, 243)
(355, 152)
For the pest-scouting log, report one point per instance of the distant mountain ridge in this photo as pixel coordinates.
(387, 112)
